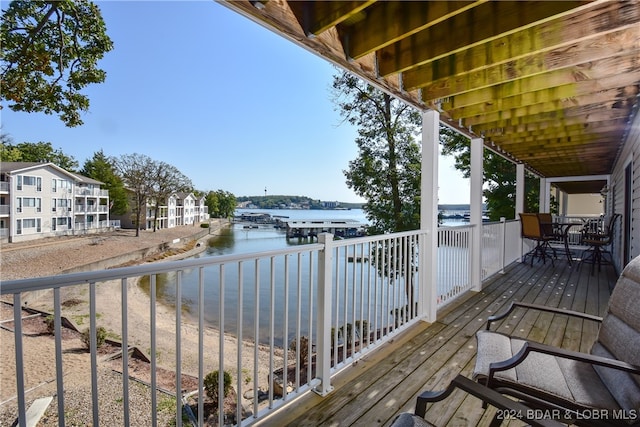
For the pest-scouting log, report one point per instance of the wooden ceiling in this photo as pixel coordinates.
(551, 84)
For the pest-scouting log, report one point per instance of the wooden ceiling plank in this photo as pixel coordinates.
(466, 94)
(316, 17)
(554, 129)
(473, 27)
(620, 96)
(408, 18)
(552, 117)
(550, 44)
(547, 128)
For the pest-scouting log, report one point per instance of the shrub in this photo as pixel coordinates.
(50, 324)
(101, 336)
(211, 385)
(304, 349)
(204, 225)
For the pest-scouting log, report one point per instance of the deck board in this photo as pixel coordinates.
(427, 356)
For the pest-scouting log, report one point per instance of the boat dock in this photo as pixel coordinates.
(310, 228)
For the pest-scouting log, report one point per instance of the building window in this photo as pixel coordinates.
(33, 181)
(63, 184)
(23, 224)
(29, 202)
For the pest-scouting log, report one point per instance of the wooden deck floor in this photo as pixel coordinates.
(427, 356)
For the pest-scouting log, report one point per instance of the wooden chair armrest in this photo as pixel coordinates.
(511, 408)
(516, 304)
(531, 346)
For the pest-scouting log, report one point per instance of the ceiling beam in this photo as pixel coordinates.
(548, 46)
(474, 26)
(410, 17)
(316, 17)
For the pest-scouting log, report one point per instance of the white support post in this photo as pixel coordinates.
(323, 366)
(545, 192)
(519, 189)
(564, 205)
(519, 199)
(429, 216)
(477, 149)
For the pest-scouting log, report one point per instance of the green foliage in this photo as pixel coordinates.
(100, 167)
(211, 385)
(37, 152)
(387, 170)
(280, 201)
(49, 320)
(101, 336)
(50, 52)
(221, 203)
(499, 177)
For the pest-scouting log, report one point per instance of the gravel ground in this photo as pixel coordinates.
(53, 256)
(57, 255)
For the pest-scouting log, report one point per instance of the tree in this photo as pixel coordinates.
(8, 153)
(38, 152)
(50, 51)
(167, 179)
(101, 168)
(221, 204)
(226, 204)
(212, 203)
(499, 176)
(136, 171)
(387, 170)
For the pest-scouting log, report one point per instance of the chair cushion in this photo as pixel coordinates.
(547, 375)
(619, 337)
(406, 419)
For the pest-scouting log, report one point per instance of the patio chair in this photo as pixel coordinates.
(597, 241)
(604, 383)
(530, 229)
(507, 408)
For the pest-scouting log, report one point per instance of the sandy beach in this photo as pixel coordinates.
(49, 257)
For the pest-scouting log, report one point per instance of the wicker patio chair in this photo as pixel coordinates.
(508, 408)
(604, 382)
(530, 229)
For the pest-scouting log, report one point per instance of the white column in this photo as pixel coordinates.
(519, 189)
(519, 199)
(429, 215)
(545, 192)
(564, 204)
(477, 149)
(323, 333)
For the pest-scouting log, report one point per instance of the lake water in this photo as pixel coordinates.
(239, 240)
(237, 282)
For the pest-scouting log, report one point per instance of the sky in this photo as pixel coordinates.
(229, 103)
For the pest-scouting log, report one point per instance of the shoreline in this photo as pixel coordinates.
(39, 368)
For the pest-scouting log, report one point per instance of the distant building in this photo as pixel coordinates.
(41, 200)
(330, 205)
(178, 209)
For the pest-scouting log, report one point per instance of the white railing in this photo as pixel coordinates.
(4, 186)
(5, 209)
(94, 192)
(574, 236)
(334, 301)
(454, 262)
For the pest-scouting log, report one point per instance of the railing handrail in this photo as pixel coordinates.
(351, 295)
(48, 282)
